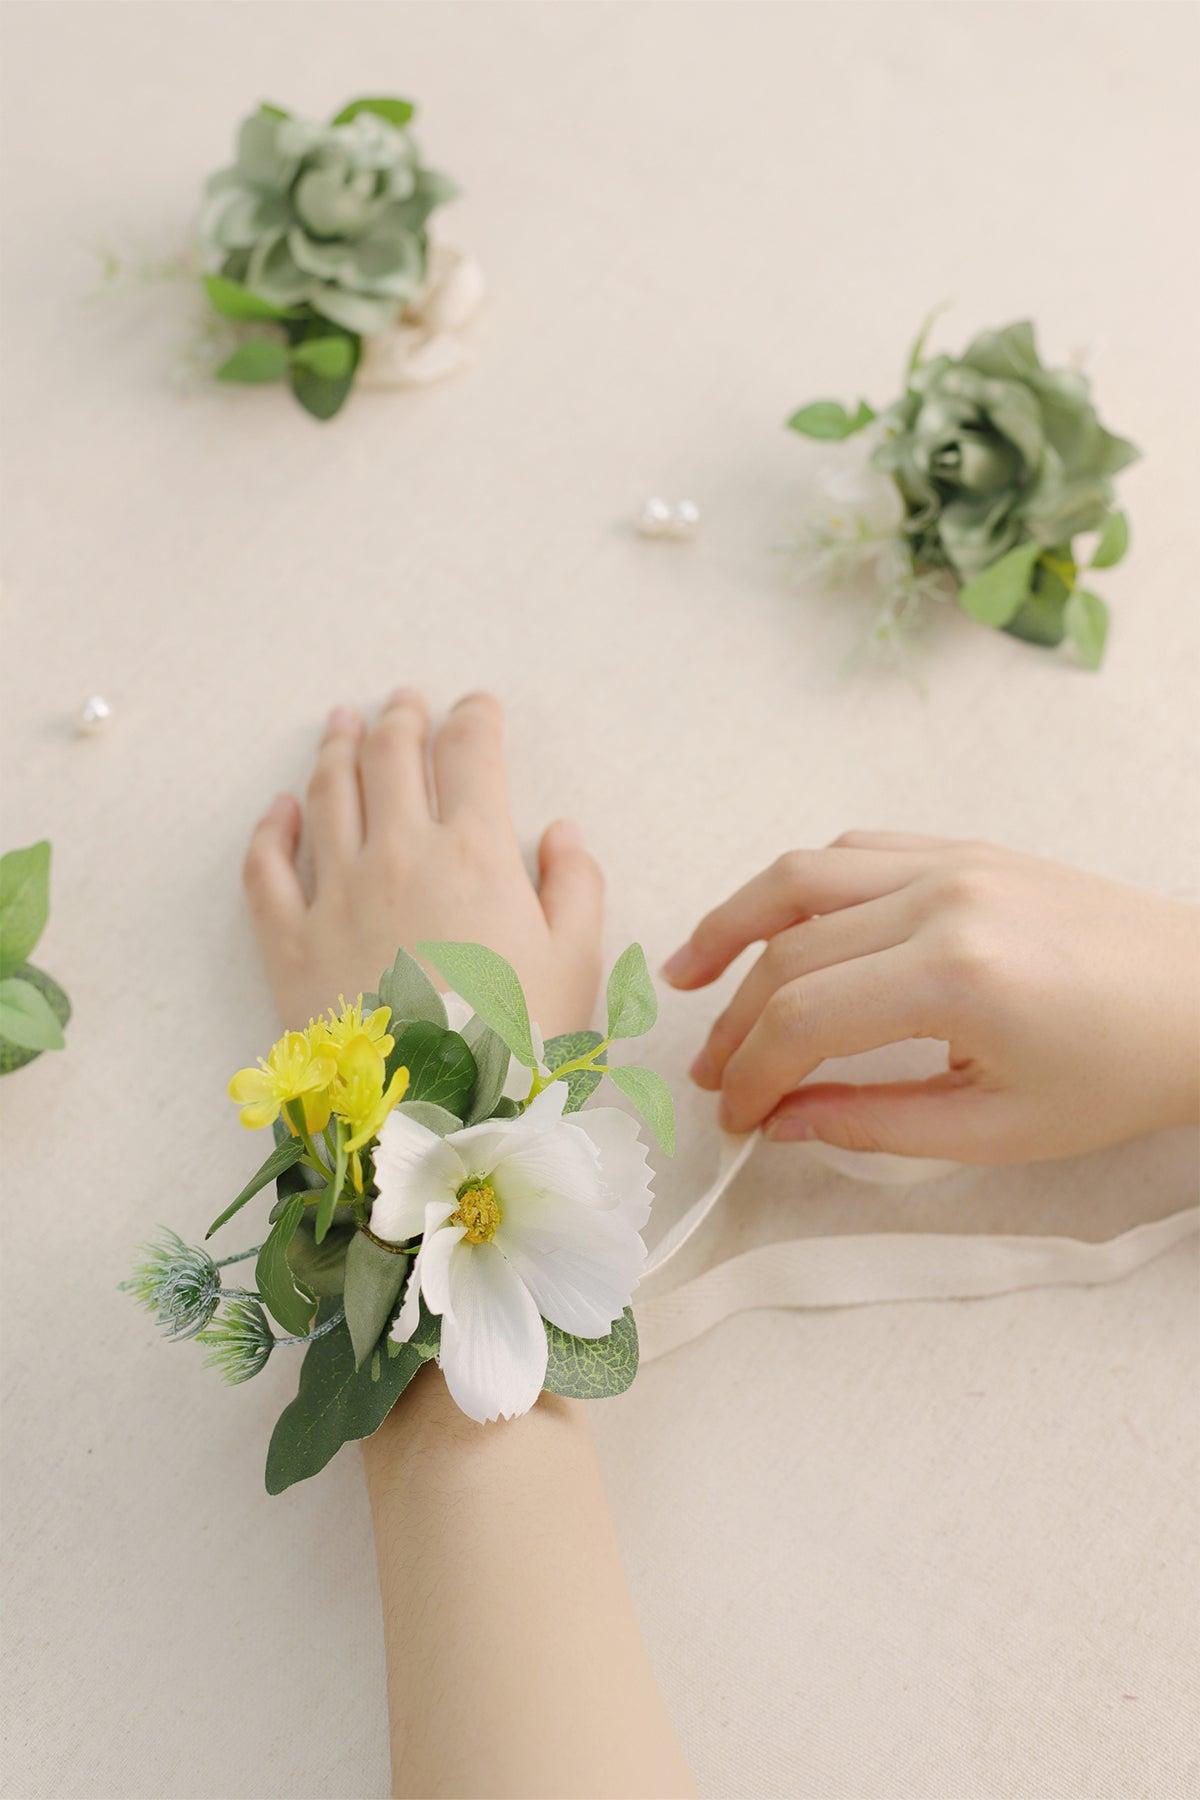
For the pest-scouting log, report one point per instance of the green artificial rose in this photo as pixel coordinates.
(329, 218)
(991, 450)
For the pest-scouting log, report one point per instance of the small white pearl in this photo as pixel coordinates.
(93, 716)
(685, 519)
(656, 519)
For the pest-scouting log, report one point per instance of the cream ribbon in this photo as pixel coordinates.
(876, 1268)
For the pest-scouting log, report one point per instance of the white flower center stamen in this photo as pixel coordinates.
(478, 1210)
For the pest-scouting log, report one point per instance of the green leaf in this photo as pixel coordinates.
(279, 1161)
(236, 301)
(1087, 627)
(320, 394)
(632, 1003)
(441, 1069)
(338, 1402)
(922, 338)
(489, 985)
(272, 111)
(995, 596)
(262, 359)
(396, 112)
(27, 1018)
(434, 1118)
(24, 902)
(564, 1049)
(15, 1056)
(829, 420)
(321, 1267)
(652, 1097)
(492, 1059)
(1114, 542)
(410, 994)
(331, 357)
(327, 1204)
(291, 1304)
(592, 1368)
(374, 1278)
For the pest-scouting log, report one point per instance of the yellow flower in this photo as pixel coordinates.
(341, 1028)
(360, 1098)
(294, 1069)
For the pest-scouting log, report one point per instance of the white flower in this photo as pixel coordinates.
(521, 1220)
(427, 345)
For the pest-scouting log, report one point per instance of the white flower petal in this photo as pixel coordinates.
(581, 1265)
(407, 1318)
(624, 1165)
(538, 1164)
(414, 1168)
(547, 1110)
(434, 1257)
(493, 1348)
(458, 1012)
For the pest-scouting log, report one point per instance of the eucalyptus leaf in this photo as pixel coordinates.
(374, 1278)
(632, 1002)
(1114, 542)
(261, 359)
(490, 986)
(24, 902)
(829, 420)
(582, 1083)
(995, 596)
(14, 1056)
(434, 1118)
(592, 1368)
(288, 1301)
(27, 1018)
(279, 1161)
(338, 1402)
(235, 300)
(396, 112)
(492, 1060)
(410, 994)
(653, 1099)
(1086, 620)
(441, 1069)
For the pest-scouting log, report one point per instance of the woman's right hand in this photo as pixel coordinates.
(1070, 1004)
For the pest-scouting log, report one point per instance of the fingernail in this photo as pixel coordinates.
(342, 719)
(702, 1071)
(679, 966)
(788, 1128)
(400, 696)
(567, 831)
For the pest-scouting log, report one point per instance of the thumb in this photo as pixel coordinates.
(571, 884)
(944, 1116)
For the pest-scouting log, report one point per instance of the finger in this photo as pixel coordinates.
(890, 840)
(834, 1012)
(799, 884)
(395, 786)
(269, 871)
(571, 884)
(945, 1116)
(468, 760)
(333, 810)
(818, 943)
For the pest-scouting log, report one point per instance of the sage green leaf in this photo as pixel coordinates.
(592, 1368)
(262, 359)
(271, 111)
(410, 994)
(489, 985)
(829, 420)
(27, 1018)
(1087, 627)
(327, 1204)
(328, 356)
(235, 301)
(322, 1267)
(396, 112)
(1114, 542)
(434, 1118)
(566, 1048)
(374, 1278)
(322, 395)
(279, 1161)
(652, 1098)
(15, 1056)
(291, 1304)
(995, 596)
(338, 1402)
(24, 902)
(632, 1002)
(441, 1069)
(492, 1059)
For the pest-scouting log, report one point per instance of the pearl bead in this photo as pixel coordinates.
(677, 519)
(93, 716)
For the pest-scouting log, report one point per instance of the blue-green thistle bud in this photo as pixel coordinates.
(178, 1284)
(239, 1342)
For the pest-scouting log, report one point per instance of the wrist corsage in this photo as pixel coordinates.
(316, 248)
(439, 1196)
(974, 485)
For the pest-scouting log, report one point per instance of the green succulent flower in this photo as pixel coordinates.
(992, 450)
(328, 217)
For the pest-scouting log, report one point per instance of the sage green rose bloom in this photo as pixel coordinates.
(326, 216)
(991, 450)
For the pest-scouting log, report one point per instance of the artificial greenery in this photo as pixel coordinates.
(33, 1008)
(1000, 463)
(317, 234)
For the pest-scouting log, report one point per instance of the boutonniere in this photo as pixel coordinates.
(440, 1195)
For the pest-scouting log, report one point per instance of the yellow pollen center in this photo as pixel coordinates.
(478, 1211)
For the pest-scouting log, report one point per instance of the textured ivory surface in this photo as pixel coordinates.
(924, 1552)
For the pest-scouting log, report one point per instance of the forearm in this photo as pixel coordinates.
(515, 1664)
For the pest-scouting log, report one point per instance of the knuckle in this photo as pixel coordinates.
(785, 1011)
(851, 840)
(791, 868)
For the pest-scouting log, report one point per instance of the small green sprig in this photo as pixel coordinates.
(33, 1008)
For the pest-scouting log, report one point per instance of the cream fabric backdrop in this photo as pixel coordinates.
(895, 1553)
